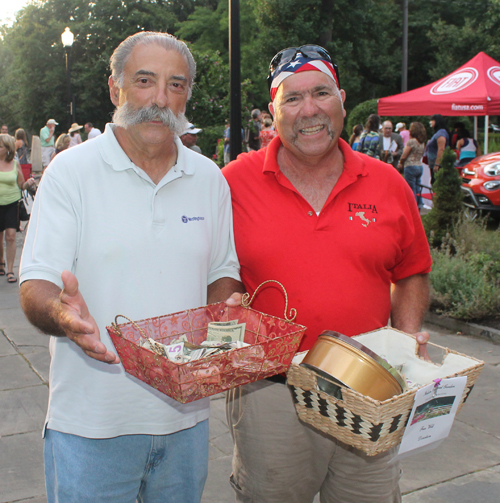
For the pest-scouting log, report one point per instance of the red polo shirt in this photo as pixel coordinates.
(337, 267)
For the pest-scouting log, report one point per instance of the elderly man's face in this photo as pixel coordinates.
(387, 129)
(87, 128)
(309, 114)
(4, 130)
(153, 76)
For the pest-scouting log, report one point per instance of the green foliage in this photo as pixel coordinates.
(208, 141)
(33, 75)
(359, 114)
(447, 203)
(465, 276)
(464, 39)
(363, 36)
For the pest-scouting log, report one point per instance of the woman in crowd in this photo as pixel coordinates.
(21, 146)
(356, 134)
(439, 141)
(411, 158)
(11, 184)
(467, 148)
(74, 134)
(267, 133)
(62, 143)
(369, 140)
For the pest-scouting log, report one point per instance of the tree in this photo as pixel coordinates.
(33, 75)
(447, 203)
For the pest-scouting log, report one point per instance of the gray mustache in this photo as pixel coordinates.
(126, 116)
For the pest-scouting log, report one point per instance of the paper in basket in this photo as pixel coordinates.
(272, 344)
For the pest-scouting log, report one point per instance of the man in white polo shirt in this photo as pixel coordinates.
(131, 223)
(92, 132)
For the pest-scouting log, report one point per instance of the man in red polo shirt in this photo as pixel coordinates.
(338, 229)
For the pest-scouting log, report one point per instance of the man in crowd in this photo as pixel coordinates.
(390, 145)
(47, 139)
(4, 129)
(132, 223)
(190, 136)
(254, 130)
(337, 229)
(91, 131)
(403, 132)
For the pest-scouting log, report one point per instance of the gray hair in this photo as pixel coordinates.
(121, 54)
(255, 113)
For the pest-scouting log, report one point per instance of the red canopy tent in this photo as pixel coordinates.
(472, 89)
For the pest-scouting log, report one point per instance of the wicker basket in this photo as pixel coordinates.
(273, 343)
(366, 424)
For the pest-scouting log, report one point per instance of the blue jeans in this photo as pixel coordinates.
(143, 468)
(413, 175)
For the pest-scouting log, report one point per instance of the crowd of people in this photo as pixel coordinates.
(409, 151)
(258, 134)
(16, 175)
(301, 206)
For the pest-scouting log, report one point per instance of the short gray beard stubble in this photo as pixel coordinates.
(126, 116)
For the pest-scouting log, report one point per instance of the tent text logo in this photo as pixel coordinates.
(456, 81)
(494, 74)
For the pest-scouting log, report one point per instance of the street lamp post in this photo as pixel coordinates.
(67, 39)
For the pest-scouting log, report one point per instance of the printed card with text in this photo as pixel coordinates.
(432, 415)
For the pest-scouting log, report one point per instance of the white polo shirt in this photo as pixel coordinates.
(94, 133)
(137, 249)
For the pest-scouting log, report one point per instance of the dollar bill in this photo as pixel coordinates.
(231, 333)
(216, 324)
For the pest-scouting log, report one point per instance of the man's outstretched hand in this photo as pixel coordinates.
(78, 324)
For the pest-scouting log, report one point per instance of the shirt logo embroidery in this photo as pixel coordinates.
(192, 219)
(365, 221)
(357, 206)
(361, 214)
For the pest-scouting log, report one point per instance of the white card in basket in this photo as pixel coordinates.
(432, 415)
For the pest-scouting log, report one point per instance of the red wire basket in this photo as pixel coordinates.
(273, 343)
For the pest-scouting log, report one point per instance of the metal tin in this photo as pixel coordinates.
(342, 360)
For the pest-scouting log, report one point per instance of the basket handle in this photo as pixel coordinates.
(117, 328)
(247, 303)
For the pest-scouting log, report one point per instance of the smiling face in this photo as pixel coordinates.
(309, 114)
(153, 76)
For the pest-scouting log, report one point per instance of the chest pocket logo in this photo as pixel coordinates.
(361, 214)
(365, 222)
(191, 219)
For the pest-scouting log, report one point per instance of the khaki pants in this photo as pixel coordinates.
(279, 459)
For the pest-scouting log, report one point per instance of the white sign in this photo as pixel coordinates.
(432, 415)
(457, 81)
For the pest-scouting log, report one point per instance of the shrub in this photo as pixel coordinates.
(447, 203)
(465, 277)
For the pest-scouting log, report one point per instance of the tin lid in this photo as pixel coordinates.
(369, 354)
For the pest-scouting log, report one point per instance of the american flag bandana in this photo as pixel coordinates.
(301, 64)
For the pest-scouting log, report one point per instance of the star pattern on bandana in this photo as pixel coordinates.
(301, 64)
